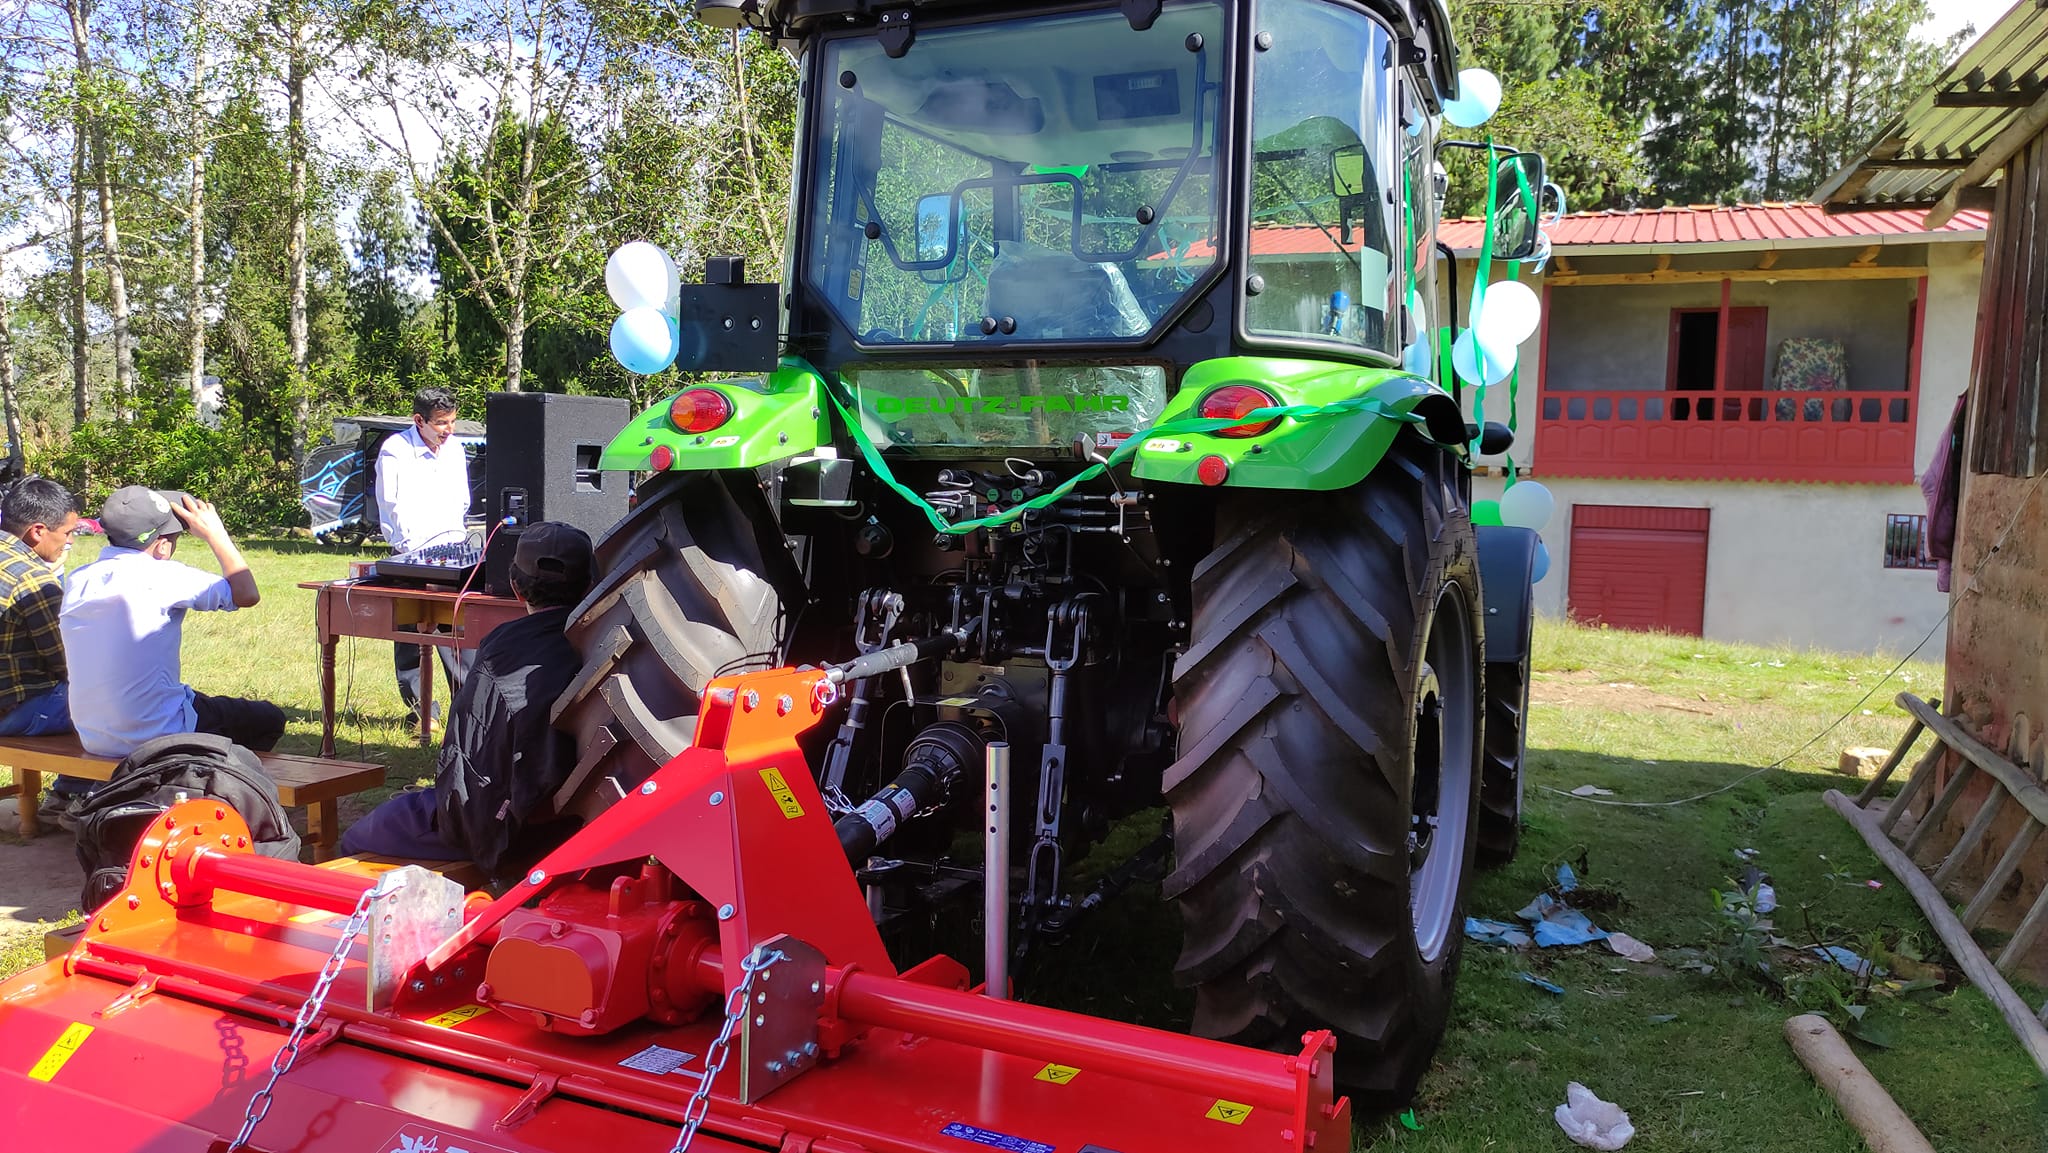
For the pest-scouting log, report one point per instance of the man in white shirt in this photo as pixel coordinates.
(422, 498)
(123, 625)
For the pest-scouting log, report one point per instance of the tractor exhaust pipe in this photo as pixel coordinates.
(995, 875)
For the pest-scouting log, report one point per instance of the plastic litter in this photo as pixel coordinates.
(1497, 933)
(1409, 1122)
(1592, 791)
(1557, 923)
(1591, 1122)
(1766, 898)
(1566, 879)
(1847, 958)
(1630, 948)
(1540, 983)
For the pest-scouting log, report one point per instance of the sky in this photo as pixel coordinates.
(1951, 15)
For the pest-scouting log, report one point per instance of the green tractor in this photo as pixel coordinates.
(1084, 393)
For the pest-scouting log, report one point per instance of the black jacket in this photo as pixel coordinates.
(501, 761)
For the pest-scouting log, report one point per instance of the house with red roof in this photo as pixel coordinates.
(1733, 406)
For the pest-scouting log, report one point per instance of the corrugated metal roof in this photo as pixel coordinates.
(1722, 226)
(1916, 159)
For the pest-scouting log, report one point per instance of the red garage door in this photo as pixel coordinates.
(1634, 567)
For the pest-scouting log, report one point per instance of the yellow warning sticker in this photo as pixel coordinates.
(67, 1044)
(1228, 1112)
(779, 788)
(957, 702)
(457, 1016)
(1057, 1074)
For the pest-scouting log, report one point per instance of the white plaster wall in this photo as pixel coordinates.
(1948, 339)
(1801, 565)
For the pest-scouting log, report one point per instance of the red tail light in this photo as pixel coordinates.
(1233, 400)
(699, 410)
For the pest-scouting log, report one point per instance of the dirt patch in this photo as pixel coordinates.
(1588, 690)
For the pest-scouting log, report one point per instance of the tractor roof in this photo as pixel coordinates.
(1425, 22)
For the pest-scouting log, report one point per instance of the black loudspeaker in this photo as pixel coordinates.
(541, 463)
(504, 541)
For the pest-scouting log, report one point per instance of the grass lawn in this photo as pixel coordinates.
(1699, 1061)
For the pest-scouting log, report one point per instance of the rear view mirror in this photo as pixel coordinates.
(1518, 181)
(1347, 172)
(934, 227)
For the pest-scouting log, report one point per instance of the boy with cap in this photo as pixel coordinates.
(123, 622)
(501, 759)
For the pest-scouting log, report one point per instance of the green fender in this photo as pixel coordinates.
(774, 417)
(1317, 452)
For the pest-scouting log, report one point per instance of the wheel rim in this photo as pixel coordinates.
(1445, 759)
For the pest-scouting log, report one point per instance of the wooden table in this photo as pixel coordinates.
(427, 617)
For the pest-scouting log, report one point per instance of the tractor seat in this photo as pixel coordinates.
(1052, 296)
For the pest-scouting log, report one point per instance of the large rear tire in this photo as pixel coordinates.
(686, 591)
(1328, 779)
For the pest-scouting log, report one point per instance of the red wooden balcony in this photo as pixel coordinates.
(1833, 437)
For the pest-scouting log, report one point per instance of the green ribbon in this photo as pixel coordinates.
(1363, 402)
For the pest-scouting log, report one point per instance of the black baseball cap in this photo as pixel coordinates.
(553, 551)
(134, 516)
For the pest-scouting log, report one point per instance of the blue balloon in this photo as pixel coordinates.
(1541, 568)
(1415, 359)
(644, 340)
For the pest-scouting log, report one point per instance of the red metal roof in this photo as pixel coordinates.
(1758, 224)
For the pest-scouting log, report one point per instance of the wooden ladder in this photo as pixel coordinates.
(2008, 785)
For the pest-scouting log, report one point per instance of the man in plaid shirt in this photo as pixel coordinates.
(37, 518)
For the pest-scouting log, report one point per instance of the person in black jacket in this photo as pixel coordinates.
(501, 761)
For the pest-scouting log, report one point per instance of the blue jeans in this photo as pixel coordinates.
(403, 826)
(47, 712)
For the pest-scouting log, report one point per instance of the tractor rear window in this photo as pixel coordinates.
(1047, 178)
(1018, 407)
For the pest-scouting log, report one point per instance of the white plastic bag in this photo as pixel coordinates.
(1591, 1122)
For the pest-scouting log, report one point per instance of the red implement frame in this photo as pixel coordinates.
(188, 980)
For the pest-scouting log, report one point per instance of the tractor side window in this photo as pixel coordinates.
(1325, 180)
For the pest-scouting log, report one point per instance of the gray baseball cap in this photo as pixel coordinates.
(134, 516)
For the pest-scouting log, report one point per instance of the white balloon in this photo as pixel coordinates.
(640, 275)
(1477, 362)
(1478, 98)
(1527, 505)
(1509, 314)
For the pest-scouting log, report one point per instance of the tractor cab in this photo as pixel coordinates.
(1019, 224)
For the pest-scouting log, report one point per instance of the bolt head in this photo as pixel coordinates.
(536, 877)
(419, 986)
(810, 1048)
(784, 705)
(134, 902)
(817, 986)
(751, 701)
(760, 998)
(775, 1066)
(647, 790)
(725, 912)
(760, 1020)
(718, 798)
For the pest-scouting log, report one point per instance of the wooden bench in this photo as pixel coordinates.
(312, 783)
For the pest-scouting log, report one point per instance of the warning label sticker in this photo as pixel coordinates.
(457, 1016)
(995, 1140)
(779, 789)
(956, 702)
(419, 1139)
(1057, 1074)
(1228, 1112)
(658, 1060)
(54, 1057)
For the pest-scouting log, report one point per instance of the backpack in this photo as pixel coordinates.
(148, 781)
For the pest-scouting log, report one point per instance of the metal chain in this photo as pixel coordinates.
(309, 1012)
(756, 962)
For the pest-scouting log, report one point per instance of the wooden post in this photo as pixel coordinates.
(1721, 350)
(1884, 1126)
